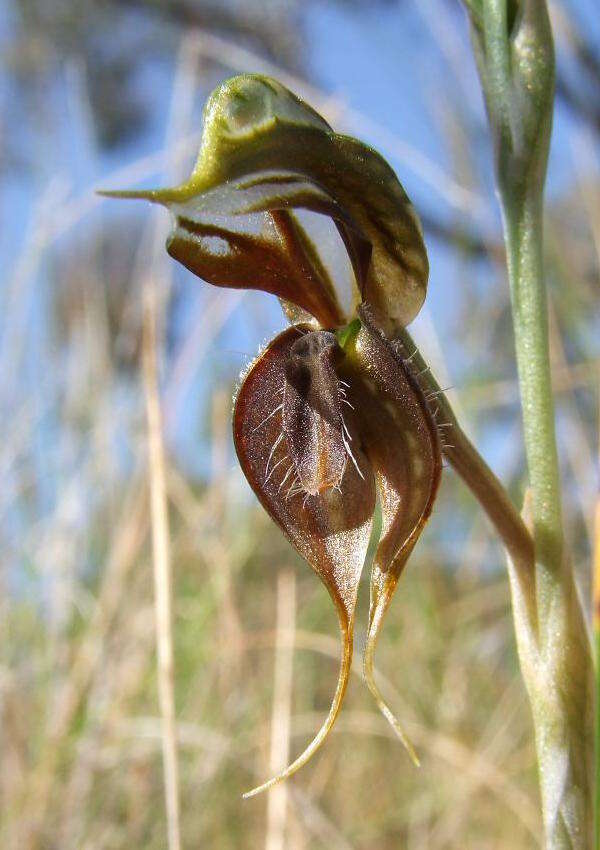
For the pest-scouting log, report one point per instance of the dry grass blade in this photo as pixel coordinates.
(128, 538)
(596, 642)
(162, 569)
(280, 718)
(596, 625)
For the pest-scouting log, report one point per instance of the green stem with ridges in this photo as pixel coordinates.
(512, 42)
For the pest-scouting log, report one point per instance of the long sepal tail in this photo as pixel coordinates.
(376, 620)
(346, 629)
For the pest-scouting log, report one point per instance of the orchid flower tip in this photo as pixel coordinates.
(153, 195)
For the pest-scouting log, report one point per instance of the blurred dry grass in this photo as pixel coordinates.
(254, 637)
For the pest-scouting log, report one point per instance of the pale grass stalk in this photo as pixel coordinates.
(495, 742)
(21, 282)
(587, 169)
(162, 569)
(503, 393)
(230, 628)
(282, 703)
(297, 837)
(596, 629)
(120, 680)
(181, 108)
(419, 818)
(180, 112)
(318, 823)
(213, 314)
(466, 760)
(492, 742)
(460, 759)
(70, 693)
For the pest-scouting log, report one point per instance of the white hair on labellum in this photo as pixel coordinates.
(312, 418)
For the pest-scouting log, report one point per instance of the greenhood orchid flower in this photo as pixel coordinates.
(330, 416)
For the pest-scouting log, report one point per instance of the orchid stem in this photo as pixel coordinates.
(482, 482)
(557, 672)
(513, 46)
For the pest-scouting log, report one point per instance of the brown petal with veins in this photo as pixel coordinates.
(264, 150)
(331, 529)
(401, 440)
(279, 259)
(244, 235)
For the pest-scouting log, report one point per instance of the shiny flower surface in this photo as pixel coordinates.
(329, 418)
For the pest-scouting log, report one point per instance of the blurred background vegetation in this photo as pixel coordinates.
(110, 93)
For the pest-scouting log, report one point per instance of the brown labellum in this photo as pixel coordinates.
(316, 430)
(312, 412)
(330, 528)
